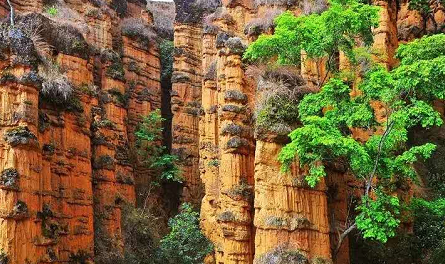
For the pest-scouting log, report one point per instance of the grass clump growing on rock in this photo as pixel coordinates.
(115, 68)
(226, 216)
(9, 178)
(55, 86)
(135, 28)
(279, 91)
(20, 135)
(283, 255)
(242, 190)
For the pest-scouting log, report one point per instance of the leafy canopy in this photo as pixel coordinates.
(154, 155)
(185, 243)
(327, 117)
(318, 35)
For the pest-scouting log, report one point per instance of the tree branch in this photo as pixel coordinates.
(12, 12)
(345, 233)
(342, 238)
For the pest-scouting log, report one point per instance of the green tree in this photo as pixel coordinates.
(185, 243)
(384, 161)
(154, 155)
(320, 36)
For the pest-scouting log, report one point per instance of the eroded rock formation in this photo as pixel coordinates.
(67, 167)
(251, 209)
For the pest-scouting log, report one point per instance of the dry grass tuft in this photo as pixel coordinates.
(55, 83)
(164, 17)
(136, 28)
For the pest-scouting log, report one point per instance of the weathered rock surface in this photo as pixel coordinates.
(250, 209)
(66, 172)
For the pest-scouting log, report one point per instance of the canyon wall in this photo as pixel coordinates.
(67, 169)
(69, 164)
(251, 210)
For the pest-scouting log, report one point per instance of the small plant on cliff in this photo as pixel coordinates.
(154, 155)
(383, 161)
(166, 49)
(185, 243)
(52, 11)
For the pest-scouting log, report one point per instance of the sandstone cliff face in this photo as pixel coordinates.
(70, 170)
(66, 170)
(250, 207)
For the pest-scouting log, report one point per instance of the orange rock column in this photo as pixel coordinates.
(20, 166)
(186, 108)
(288, 212)
(209, 152)
(237, 157)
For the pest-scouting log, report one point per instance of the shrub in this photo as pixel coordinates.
(137, 29)
(80, 257)
(120, 6)
(208, 5)
(213, 163)
(235, 96)
(285, 3)
(141, 235)
(232, 129)
(313, 6)
(243, 190)
(166, 49)
(235, 46)
(3, 257)
(275, 221)
(155, 156)
(226, 216)
(121, 99)
(221, 14)
(20, 209)
(104, 162)
(283, 255)
(185, 243)
(236, 142)
(211, 72)
(279, 91)
(116, 68)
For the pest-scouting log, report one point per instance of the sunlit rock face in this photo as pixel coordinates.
(67, 166)
(250, 209)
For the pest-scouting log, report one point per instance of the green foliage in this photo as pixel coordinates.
(166, 49)
(378, 218)
(429, 224)
(185, 243)
(319, 35)
(52, 11)
(154, 155)
(328, 116)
